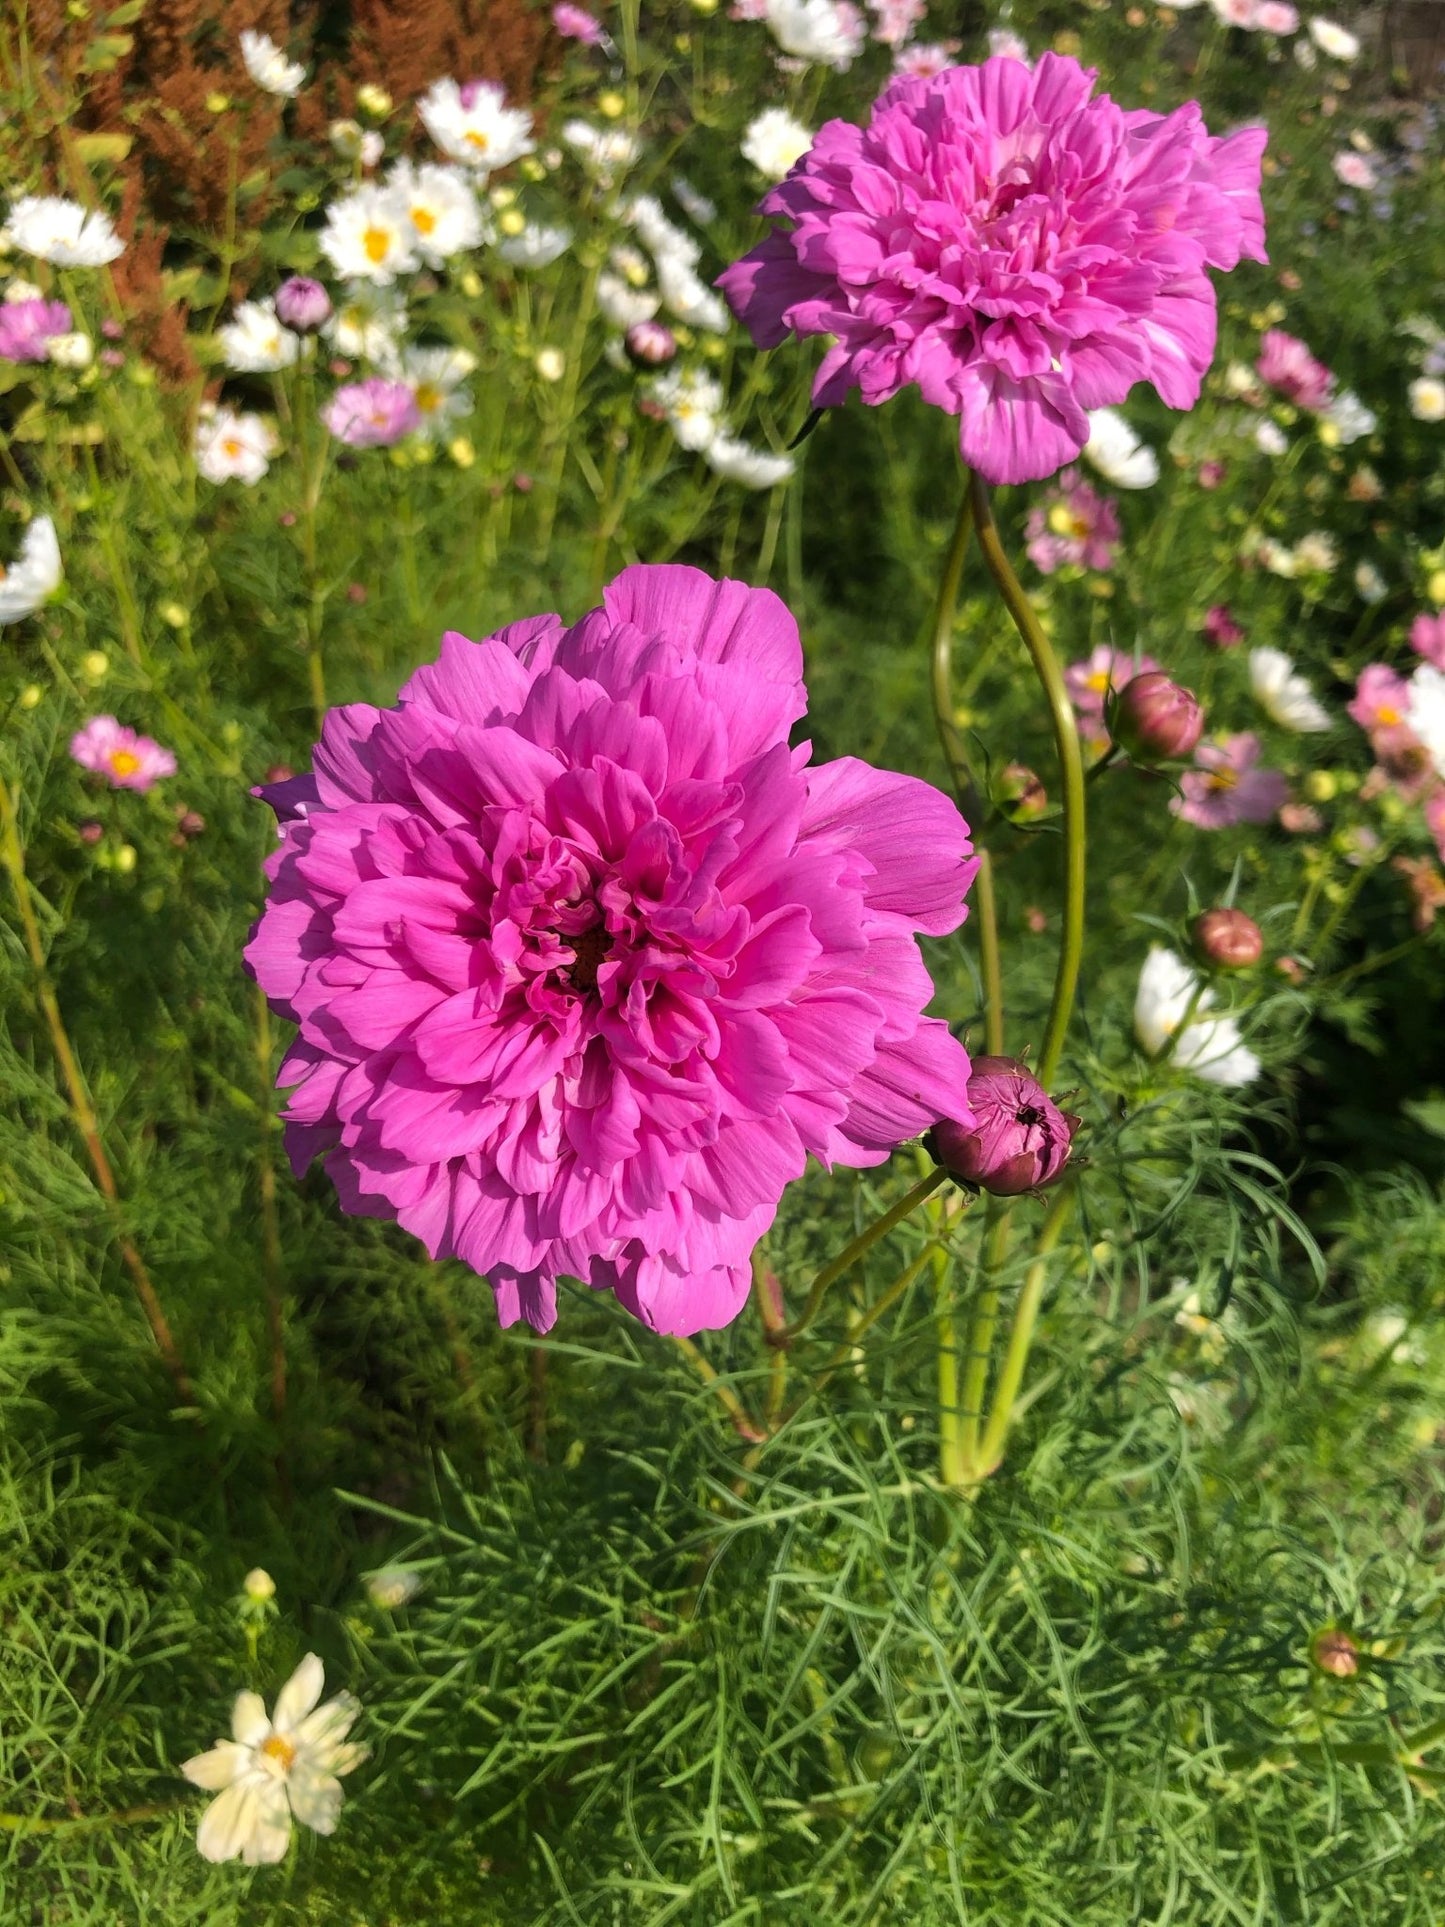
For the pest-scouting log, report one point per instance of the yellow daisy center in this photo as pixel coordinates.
(277, 1747)
(1223, 779)
(478, 140)
(1099, 682)
(230, 446)
(124, 762)
(428, 397)
(376, 243)
(1386, 715)
(423, 220)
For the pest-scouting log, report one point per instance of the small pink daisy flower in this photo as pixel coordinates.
(1435, 820)
(126, 761)
(1221, 629)
(925, 60)
(1381, 698)
(1073, 525)
(1287, 365)
(575, 23)
(27, 326)
(1227, 786)
(1090, 682)
(1022, 249)
(1427, 638)
(372, 413)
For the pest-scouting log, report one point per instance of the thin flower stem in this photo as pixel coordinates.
(1071, 770)
(990, 960)
(950, 1462)
(1026, 1312)
(743, 1423)
(982, 1324)
(768, 1298)
(772, 528)
(882, 1304)
(855, 1249)
(12, 855)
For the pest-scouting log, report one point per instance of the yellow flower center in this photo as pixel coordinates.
(428, 397)
(1386, 715)
(230, 446)
(423, 220)
(480, 141)
(277, 1747)
(1099, 682)
(1223, 779)
(124, 762)
(377, 244)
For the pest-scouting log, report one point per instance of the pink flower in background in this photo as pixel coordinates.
(1276, 17)
(1021, 250)
(896, 20)
(575, 23)
(925, 60)
(1354, 170)
(26, 328)
(1221, 629)
(372, 413)
(1073, 525)
(1427, 638)
(1435, 820)
(1227, 786)
(126, 761)
(587, 960)
(1381, 698)
(1287, 365)
(1104, 670)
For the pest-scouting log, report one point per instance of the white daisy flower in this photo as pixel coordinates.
(368, 236)
(35, 574)
(1427, 399)
(1169, 992)
(62, 232)
(1334, 40)
(1316, 554)
(1270, 438)
(272, 1770)
(774, 142)
(738, 462)
(537, 246)
(693, 401)
(816, 31)
(441, 206)
(623, 305)
(233, 448)
(73, 350)
(254, 342)
(272, 72)
(367, 325)
(1346, 419)
(1117, 452)
(474, 124)
(1284, 695)
(606, 152)
(687, 296)
(436, 376)
(1425, 712)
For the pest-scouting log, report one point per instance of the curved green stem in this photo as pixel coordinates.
(854, 1250)
(990, 960)
(982, 1324)
(941, 650)
(1026, 1313)
(1071, 770)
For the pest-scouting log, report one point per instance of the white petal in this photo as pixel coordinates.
(249, 1724)
(229, 1821)
(329, 1724)
(271, 1833)
(315, 1798)
(219, 1767)
(299, 1694)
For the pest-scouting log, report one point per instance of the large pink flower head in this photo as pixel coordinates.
(586, 959)
(1023, 250)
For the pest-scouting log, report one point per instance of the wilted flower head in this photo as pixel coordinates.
(269, 67)
(372, 413)
(392, 1587)
(1227, 786)
(1284, 694)
(1169, 1014)
(1020, 250)
(1073, 526)
(1292, 371)
(302, 303)
(272, 1769)
(28, 327)
(126, 761)
(586, 960)
(62, 232)
(1019, 1141)
(35, 574)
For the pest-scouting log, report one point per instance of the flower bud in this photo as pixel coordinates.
(650, 344)
(1335, 1653)
(258, 1585)
(392, 1587)
(1019, 795)
(1154, 720)
(1020, 1139)
(1228, 940)
(302, 303)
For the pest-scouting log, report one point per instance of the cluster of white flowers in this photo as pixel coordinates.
(675, 255)
(1284, 695)
(1314, 554)
(694, 403)
(1169, 1015)
(419, 216)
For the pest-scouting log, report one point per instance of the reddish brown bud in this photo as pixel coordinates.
(1019, 1139)
(1335, 1653)
(1154, 720)
(1228, 940)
